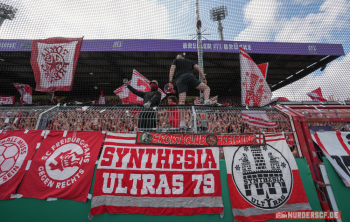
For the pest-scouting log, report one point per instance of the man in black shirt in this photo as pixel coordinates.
(183, 70)
(148, 116)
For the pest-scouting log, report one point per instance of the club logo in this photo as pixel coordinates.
(212, 140)
(145, 137)
(266, 175)
(64, 166)
(117, 45)
(13, 151)
(55, 66)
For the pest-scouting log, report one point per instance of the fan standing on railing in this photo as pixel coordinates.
(148, 116)
(183, 70)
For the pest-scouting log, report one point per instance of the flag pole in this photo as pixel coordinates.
(199, 47)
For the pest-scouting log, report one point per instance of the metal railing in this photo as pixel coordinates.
(131, 119)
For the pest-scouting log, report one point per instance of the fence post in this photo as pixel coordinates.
(194, 119)
(41, 115)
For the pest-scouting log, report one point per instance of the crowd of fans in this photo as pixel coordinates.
(19, 119)
(231, 101)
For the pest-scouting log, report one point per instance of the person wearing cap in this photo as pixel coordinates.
(148, 117)
(182, 70)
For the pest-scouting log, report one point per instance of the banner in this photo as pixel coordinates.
(7, 100)
(140, 83)
(54, 61)
(264, 179)
(316, 95)
(156, 180)
(26, 92)
(184, 139)
(255, 90)
(16, 149)
(63, 166)
(257, 118)
(336, 147)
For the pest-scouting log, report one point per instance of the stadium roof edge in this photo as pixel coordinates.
(165, 45)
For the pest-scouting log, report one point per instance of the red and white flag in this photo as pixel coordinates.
(336, 147)
(198, 100)
(25, 91)
(156, 180)
(264, 179)
(139, 82)
(255, 90)
(263, 68)
(102, 99)
(16, 149)
(7, 100)
(316, 95)
(63, 166)
(257, 118)
(54, 61)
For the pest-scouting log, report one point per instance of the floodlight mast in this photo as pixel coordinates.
(199, 47)
(218, 14)
(6, 12)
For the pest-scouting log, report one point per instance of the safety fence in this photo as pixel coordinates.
(130, 119)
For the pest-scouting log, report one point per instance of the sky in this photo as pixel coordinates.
(317, 21)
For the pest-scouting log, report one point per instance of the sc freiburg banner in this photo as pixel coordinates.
(16, 149)
(156, 180)
(63, 166)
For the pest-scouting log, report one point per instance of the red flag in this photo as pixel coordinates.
(255, 90)
(54, 61)
(316, 95)
(263, 68)
(63, 166)
(102, 99)
(7, 100)
(156, 180)
(25, 91)
(16, 149)
(264, 179)
(139, 82)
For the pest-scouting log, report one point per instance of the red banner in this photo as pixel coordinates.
(173, 139)
(7, 100)
(54, 61)
(156, 180)
(63, 166)
(16, 149)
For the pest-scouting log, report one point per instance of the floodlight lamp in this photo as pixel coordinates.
(7, 11)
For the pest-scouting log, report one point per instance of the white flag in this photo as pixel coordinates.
(54, 61)
(255, 90)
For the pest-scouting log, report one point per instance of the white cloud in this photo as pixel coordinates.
(103, 19)
(334, 81)
(261, 19)
(333, 15)
(305, 2)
